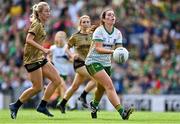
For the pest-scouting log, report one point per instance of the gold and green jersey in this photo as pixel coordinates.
(81, 43)
(31, 53)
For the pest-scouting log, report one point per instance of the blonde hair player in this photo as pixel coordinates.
(98, 63)
(36, 63)
(60, 60)
(81, 42)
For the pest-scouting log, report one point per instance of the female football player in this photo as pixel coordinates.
(98, 63)
(81, 42)
(60, 60)
(36, 63)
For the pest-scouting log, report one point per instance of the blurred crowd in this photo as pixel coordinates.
(150, 29)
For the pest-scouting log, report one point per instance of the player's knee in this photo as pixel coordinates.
(57, 81)
(109, 87)
(75, 87)
(37, 89)
(63, 85)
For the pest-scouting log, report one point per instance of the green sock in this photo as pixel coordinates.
(59, 99)
(119, 108)
(95, 103)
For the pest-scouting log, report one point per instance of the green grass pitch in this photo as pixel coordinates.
(83, 117)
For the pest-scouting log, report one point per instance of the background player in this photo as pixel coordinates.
(60, 60)
(81, 42)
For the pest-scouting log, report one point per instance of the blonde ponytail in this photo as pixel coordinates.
(34, 14)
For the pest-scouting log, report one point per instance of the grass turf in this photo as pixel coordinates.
(83, 117)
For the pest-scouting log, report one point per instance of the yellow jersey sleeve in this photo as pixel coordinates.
(71, 41)
(34, 28)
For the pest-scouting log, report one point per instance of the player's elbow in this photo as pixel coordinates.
(28, 40)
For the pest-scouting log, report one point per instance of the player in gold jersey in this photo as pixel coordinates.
(36, 63)
(81, 41)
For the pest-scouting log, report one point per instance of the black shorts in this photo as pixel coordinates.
(78, 63)
(34, 66)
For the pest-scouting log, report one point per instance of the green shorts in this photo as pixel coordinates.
(96, 67)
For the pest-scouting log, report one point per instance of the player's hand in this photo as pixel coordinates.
(46, 51)
(74, 56)
(71, 59)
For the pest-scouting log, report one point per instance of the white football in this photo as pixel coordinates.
(120, 55)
